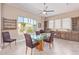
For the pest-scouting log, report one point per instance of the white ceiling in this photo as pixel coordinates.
(58, 7)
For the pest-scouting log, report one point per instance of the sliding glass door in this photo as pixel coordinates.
(25, 25)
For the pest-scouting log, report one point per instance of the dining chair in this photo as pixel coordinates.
(37, 32)
(49, 40)
(42, 31)
(29, 42)
(7, 39)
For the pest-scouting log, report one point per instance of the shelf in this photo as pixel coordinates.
(9, 24)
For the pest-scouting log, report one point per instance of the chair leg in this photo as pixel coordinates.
(26, 49)
(10, 45)
(49, 45)
(52, 44)
(31, 51)
(3, 45)
(15, 42)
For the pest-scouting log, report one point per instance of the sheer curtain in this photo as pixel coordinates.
(67, 23)
(61, 24)
(51, 24)
(58, 24)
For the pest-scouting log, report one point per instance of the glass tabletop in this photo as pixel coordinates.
(39, 37)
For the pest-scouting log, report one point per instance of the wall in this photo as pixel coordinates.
(64, 15)
(12, 12)
(0, 26)
(42, 24)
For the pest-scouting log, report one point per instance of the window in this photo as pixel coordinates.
(51, 24)
(34, 22)
(26, 20)
(20, 19)
(66, 23)
(62, 24)
(58, 24)
(24, 25)
(31, 21)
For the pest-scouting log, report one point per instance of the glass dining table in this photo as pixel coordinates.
(40, 38)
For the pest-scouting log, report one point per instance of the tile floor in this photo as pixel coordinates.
(60, 47)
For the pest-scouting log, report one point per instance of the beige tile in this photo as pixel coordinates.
(60, 47)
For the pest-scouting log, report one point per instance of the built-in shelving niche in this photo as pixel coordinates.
(9, 24)
(75, 24)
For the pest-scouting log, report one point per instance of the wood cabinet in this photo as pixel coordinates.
(73, 35)
(58, 34)
(62, 35)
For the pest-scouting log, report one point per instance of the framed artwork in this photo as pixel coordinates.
(39, 25)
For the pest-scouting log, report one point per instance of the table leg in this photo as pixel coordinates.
(40, 46)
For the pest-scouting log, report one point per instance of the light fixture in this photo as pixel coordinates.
(44, 12)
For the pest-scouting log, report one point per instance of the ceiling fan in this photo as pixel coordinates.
(45, 10)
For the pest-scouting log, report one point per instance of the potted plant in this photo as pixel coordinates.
(22, 26)
(30, 30)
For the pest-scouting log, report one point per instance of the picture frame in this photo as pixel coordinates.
(39, 25)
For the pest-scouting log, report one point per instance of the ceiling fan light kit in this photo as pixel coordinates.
(45, 10)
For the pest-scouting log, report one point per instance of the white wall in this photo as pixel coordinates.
(65, 15)
(42, 24)
(0, 24)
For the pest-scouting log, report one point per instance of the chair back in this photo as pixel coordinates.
(28, 40)
(51, 37)
(6, 36)
(42, 31)
(37, 32)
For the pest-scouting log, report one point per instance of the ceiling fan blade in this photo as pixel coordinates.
(50, 11)
(46, 7)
